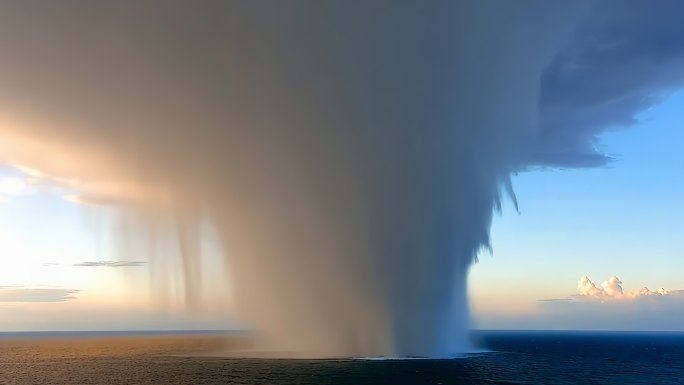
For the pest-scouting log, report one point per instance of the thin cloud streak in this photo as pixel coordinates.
(33, 294)
(110, 263)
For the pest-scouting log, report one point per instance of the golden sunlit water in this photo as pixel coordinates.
(104, 360)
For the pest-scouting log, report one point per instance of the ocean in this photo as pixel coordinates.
(507, 357)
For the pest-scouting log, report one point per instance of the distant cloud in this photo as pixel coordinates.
(555, 299)
(601, 307)
(30, 294)
(611, 289)
(110, 263)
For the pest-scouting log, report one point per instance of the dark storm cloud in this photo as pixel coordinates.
(110, 263)
(625, 57)
(29, 294)
(349, 154)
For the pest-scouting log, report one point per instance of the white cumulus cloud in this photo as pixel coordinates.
(612, 289)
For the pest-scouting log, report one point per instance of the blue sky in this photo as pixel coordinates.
(624, 219)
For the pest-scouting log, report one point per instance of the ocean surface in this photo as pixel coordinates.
(510, 357)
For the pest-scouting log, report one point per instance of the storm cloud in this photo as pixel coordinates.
(349, 154)
(624, 58)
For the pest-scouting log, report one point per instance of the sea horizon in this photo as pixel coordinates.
(233, 332)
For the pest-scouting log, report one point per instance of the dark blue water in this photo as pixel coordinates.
(513, 358)
(581, 357)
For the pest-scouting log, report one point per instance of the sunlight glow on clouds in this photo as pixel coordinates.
(85, 172)
(110, 263)
(612, 289)
(95, 191)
